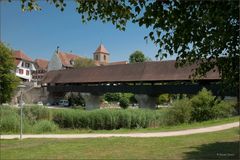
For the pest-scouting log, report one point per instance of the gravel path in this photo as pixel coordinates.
(155, 134)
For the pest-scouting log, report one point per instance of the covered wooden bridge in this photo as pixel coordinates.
(146, 80)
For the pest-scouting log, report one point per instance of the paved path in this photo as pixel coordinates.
(156, 134)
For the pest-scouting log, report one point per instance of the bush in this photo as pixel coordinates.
(116, 97)
(76, 100)
(71, 118)
(107, 118)
(202, 105)
(35, 113)
(130, 97)
(223, 109)
(10, 120)
(43, 126)
(138, 119)
(179, 113)
(124, 102)
(112, 97)
(163, 98)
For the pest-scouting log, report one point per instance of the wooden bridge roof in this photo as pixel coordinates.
(137, 72)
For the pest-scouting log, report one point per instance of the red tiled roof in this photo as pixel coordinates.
(101, 49)
(19, 55)
(66, 58)
(41, 63)
(16, 61)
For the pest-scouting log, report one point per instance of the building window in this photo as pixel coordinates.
(27, 65)
(22, 64)
(20, 71)
(27, 73)
(104, 57)
(96, 57)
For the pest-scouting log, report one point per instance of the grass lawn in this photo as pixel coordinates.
(159, 129)
(217, 145)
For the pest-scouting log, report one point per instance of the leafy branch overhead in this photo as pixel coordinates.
(195, 31)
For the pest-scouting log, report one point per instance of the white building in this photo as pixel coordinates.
(25, 66)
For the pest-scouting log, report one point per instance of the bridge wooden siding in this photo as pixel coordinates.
(150, 78)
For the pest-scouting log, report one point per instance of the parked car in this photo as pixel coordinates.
(64, 103)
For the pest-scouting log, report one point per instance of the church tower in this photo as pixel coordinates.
(101, 55)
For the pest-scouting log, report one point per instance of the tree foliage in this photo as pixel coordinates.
(83, 62)
(8, 80)
(136, 57)
(112, 97)
(163, 98)
(203, 104)
(201, 31)
(124, 102)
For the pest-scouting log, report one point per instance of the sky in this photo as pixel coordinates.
(38, 33)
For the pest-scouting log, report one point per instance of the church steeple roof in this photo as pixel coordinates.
(101, 49)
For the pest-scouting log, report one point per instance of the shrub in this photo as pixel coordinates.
(116, 97)
(163, 98)
(107, 118)
(10, 121)
(124, 102)
(130, 97)
(138, 119)
(124, 119)
(64, 118)
(202, 105)
(71, 118)
(223, 109)
(35, 113)
(43, 126)
(179, 113)
(112, 97)
(76, 100)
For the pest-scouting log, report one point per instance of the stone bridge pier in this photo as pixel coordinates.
(146, 101)
(92, 101)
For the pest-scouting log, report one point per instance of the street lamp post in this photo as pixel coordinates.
(21, 86)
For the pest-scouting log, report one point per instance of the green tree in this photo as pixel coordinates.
(137, 56)
(124, 102)
(8, 80)
(163, 98)
(201, 31)
(202, 105)
(83, 62)
(112, 97)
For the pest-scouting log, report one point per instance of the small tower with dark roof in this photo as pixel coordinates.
(101, 55)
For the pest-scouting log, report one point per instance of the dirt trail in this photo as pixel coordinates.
(143, 135)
